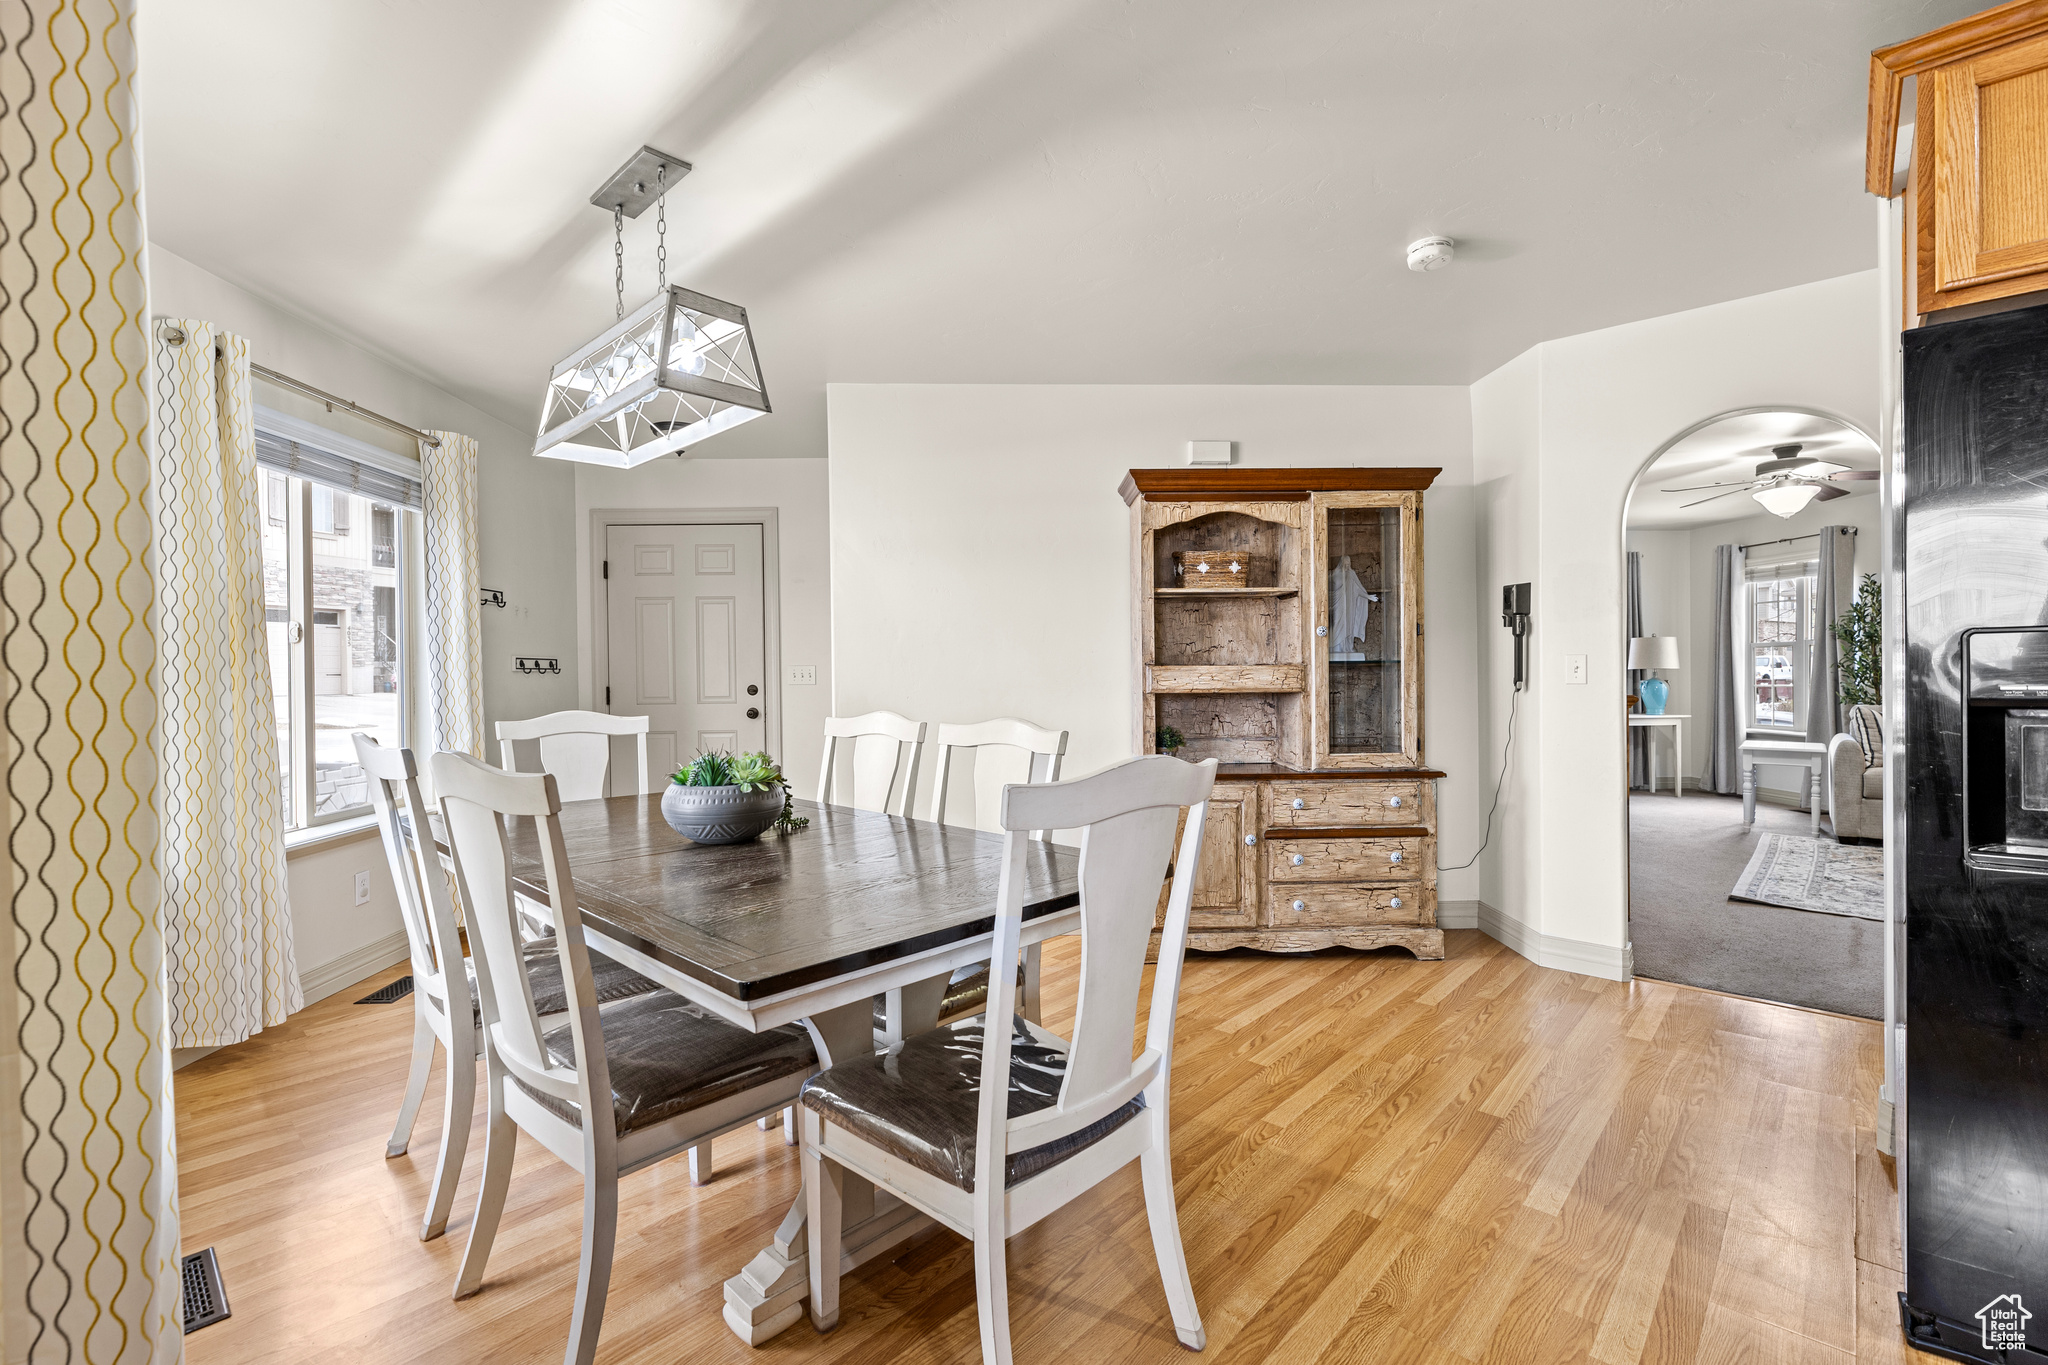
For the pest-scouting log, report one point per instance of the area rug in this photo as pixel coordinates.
(1802, 873)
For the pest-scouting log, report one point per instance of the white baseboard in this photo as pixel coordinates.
(1457, 914)
(330, 978)
(1548, 950)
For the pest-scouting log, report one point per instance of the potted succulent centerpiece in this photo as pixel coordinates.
(728, 799)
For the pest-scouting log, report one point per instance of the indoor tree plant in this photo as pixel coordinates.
(728, 799)
(1859, 632)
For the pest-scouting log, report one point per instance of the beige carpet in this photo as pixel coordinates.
(1685, 855)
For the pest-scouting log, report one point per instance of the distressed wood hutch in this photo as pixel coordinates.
(1301, 674)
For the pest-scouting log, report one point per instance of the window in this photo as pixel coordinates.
(274, 496)
(1780, 644)
(332, 608)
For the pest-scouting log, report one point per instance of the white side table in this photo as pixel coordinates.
(1676, 724)
(1794, 751)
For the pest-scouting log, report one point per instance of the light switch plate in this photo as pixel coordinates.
(803, 675)
(1575, 669)
(1211, 452)
(362, 888)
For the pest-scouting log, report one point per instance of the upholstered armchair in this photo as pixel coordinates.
(1856, 777)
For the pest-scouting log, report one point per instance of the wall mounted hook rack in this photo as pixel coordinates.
(526, 663)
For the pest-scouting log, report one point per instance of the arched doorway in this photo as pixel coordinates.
(1747, 538)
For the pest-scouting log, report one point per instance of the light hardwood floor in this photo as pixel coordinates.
(1378, 1159)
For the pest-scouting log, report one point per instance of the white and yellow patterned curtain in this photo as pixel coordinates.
(230, 969)
(88, 1198)
(454, 648)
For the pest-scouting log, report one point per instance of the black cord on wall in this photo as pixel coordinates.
(1507, 750)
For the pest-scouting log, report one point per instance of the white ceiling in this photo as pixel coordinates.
(1127, 191)
(1730, 450)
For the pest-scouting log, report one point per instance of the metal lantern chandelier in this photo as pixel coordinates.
(677, 369)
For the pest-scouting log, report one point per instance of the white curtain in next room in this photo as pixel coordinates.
(230, 966)
(454, 650)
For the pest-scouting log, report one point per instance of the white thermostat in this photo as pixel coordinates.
(1211, 452)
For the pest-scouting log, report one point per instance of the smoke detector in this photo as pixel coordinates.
(1431, 253)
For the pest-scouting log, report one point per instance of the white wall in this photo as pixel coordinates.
(523, 507)
(981, 555)
(797, 490)
(1603, 404)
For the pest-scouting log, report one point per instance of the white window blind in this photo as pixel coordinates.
(296, 447)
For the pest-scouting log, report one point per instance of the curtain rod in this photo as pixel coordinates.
(176, 337)
(1792, 540)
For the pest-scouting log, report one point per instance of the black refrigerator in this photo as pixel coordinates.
(1975, 787)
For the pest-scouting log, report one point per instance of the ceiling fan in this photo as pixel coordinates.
(1787, 482)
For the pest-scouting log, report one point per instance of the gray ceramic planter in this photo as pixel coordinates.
(720, 815)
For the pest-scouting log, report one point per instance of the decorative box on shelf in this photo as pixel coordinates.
(1301, 673)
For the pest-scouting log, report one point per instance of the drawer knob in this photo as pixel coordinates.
(1301, 905)
(1394, 857)
(1395, 902)
(1250, 839)
(1296, 860)
(1321, 631)
(1393, 800)
(1299, 803)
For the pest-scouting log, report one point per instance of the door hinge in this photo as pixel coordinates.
(607, 696)
(607, 568)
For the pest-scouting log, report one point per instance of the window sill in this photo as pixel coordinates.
(301, 841)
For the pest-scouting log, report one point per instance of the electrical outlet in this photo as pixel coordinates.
(1575, 669)
(803, 675)
(362, 888)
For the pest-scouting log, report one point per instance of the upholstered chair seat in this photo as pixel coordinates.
(919, 1100)
(614, 980)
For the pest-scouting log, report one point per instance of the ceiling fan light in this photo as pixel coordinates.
(1786, 498)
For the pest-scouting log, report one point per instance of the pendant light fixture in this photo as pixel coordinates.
(1787, 496)
(677, 369)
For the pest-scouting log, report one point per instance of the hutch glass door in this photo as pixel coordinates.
(1366, 628)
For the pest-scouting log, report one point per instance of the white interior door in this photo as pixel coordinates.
(686, 642)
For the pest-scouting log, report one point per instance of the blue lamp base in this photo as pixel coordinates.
(1654, 692)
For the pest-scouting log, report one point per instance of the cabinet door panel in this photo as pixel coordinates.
(1990, 170)
(1226, 894)
(1365, 627)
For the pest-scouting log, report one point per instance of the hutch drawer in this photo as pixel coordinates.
(1345, 860)
(1290, 907)
(1325, 803)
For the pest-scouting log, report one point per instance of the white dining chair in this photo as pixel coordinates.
(610, 1090)
(874, 781)
(1043, 751)
(931, 1119)
(576, 747)
(444, 1000)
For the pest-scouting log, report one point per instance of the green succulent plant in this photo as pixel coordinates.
(750, 772)
(1168, 739)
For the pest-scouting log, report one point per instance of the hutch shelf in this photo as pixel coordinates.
(1306, 687)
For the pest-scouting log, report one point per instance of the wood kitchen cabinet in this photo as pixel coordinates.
(1277, 627)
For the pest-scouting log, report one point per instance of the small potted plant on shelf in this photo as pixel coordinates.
(1169, 741)
(727, 799)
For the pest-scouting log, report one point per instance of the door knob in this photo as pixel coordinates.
(1322, 631)
(754, 713)
(1250, 839)
(754, 691)
(1297, 860)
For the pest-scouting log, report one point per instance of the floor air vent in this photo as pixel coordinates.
(205, 1301)
(389, 995)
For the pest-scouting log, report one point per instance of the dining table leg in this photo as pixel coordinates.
(769, 1294)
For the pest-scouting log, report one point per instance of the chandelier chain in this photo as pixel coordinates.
(661, 225)
(619, 259)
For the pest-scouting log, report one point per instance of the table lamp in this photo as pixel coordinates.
(1653, 652)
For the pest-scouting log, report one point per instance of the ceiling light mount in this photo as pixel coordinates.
(635, 186)
(1431, 253)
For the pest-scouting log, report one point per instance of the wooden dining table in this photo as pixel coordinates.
(807, 927)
